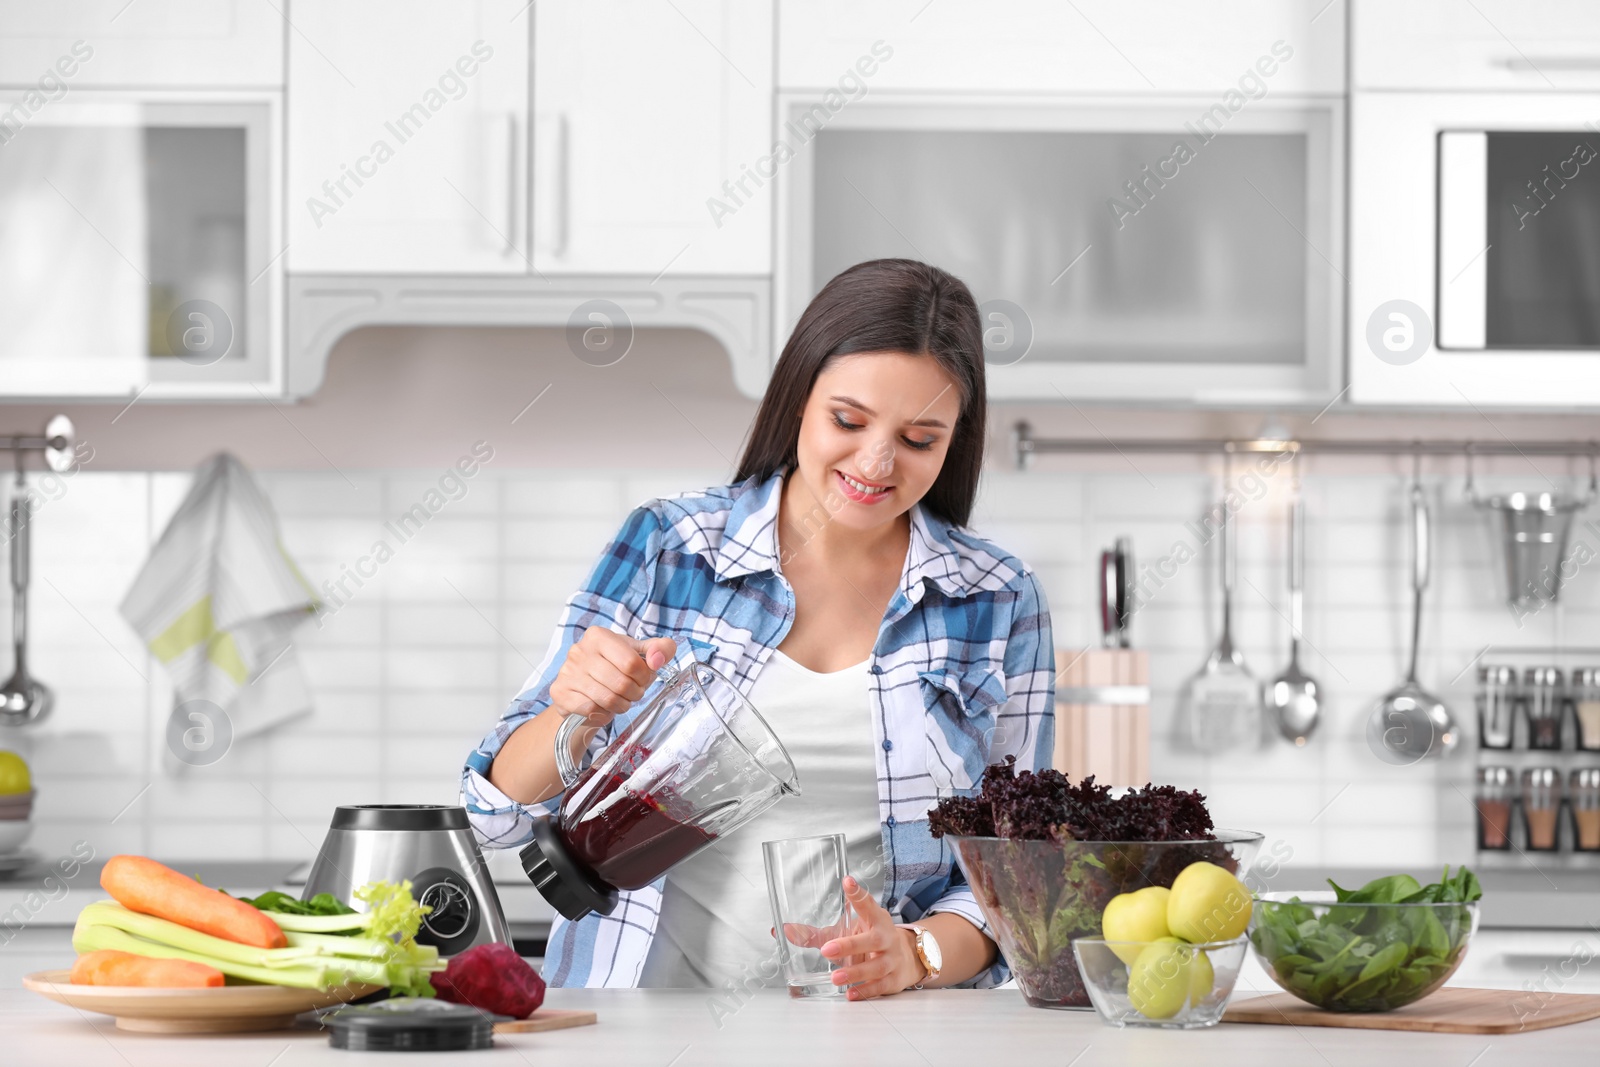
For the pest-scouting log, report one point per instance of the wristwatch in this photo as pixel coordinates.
(927, 952)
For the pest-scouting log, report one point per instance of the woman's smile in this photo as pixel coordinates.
(862, 492)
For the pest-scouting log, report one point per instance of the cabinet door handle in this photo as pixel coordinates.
(1540, 64)
(550, 182)
(511, 183)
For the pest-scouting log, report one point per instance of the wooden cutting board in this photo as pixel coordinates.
(553, 1019)
(1449, 1011)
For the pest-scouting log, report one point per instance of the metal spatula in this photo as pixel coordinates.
(1222, 703)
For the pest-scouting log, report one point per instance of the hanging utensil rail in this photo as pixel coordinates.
(1025, 446)
(56, 443)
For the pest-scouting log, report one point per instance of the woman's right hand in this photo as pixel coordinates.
(606, 673)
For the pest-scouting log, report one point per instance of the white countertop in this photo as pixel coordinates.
(658, 1028)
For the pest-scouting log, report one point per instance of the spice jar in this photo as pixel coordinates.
(1542, 696)
(1586, 706)
(1541, 807)
(1583, 797)
(1497, 699)
(1493, 802)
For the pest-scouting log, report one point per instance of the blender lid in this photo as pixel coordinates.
(410, 1024)
(399, 817)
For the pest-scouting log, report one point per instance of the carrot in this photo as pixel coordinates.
(110, 967)
(143, 885)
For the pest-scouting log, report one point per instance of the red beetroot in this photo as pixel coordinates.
(491, 977)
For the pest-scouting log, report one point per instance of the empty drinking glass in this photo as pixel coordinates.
(805, 884)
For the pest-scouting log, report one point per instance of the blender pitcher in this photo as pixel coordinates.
(697, 763)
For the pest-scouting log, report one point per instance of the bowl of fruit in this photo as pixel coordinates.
(1045, 857)
(1377, 948)
(1168, 956)
(16, 801)
(1169, 983)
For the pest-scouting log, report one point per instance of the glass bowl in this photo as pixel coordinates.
(1170, 984)
(1037, 896)
(1359, 957)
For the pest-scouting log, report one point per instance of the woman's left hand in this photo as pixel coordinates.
(877, 958)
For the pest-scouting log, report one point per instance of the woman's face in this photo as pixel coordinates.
(874, 434)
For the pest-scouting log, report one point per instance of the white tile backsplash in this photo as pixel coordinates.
(416, 661)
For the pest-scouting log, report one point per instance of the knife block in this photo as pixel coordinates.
(1103, 715)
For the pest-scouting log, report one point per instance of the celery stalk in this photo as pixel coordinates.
(312, 961)
(424, 956)
(319, 924)
(89, 937)
(177, 935)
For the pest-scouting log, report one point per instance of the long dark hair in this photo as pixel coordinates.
(882, 305)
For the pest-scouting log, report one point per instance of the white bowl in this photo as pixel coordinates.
(13, 832)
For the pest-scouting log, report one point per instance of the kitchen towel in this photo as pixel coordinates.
(217, 603)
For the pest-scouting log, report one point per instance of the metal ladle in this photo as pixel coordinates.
(23, 699)
(1294, 696)
(1412, 724)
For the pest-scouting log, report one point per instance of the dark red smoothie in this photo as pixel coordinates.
(626, 837)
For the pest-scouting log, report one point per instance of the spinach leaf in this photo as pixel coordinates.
(321, 904)
(1385, 960)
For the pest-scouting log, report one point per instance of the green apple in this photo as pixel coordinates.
(1166, 976)
(1207, 903)
(14, 776)
(1137, 916)
(1202, 977)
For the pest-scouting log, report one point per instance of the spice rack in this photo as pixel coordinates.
(1536, 795)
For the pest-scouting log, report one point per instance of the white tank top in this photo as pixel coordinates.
(715, 916)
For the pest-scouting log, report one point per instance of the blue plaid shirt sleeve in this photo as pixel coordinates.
(1025, 728)
(613, 596)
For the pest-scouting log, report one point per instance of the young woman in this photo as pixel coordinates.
(894, 653)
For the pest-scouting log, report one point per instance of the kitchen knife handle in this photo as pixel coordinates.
(1123, 547)
(1109, 622)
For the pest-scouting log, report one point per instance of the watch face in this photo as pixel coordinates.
(930, 950)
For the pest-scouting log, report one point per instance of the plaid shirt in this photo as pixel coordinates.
(963, 674)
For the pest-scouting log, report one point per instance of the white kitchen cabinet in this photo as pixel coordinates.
(407, 133)
(142, 232)
(157, 44)
(1089, 46)
(653, 136)
(1517, 45)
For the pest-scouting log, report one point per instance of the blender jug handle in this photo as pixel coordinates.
(564, 763)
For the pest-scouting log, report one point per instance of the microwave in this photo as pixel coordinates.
(1121, 249)
(1475, 249)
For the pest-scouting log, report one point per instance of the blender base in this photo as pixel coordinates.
(560, 879)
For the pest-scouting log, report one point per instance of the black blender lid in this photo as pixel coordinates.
(410, 1024)
(399, 817)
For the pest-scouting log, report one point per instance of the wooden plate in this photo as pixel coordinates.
(225, 1010)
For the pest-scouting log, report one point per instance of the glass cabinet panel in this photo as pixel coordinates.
(134, 248)
(1142, 251)
(1194, 267)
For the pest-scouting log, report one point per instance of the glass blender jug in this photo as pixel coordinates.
(697, 763)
